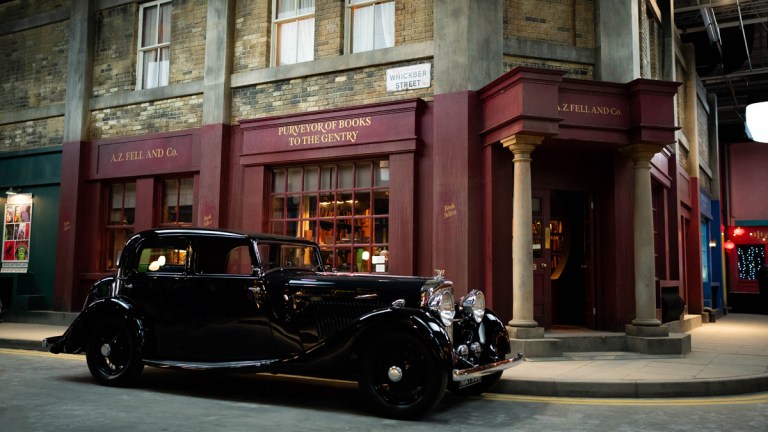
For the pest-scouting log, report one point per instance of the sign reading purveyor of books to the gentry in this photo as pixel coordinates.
(17, 231)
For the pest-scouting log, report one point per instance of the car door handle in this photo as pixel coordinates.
(366, 296)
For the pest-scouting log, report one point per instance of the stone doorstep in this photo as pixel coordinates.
(674, 344)
(41, 317)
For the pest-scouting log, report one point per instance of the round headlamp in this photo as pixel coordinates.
(474, 305)
(441, 302)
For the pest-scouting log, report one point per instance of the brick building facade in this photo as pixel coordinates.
(72, 106)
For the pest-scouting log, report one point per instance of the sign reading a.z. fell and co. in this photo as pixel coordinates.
(165, 154)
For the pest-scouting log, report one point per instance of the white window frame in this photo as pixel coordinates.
(157, 47)
(276, 41)
(351, 5)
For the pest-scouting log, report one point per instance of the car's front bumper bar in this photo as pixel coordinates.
(490, 368)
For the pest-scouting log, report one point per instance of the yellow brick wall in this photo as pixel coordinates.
(33, 70)
(188, 27)
(19, 9)
(413, 21)
(31, 134)
(344, 89)
(251, 35)
(159, 116)
(114, 58)
(568, 22)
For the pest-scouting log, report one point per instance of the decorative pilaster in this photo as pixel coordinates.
(522, 237)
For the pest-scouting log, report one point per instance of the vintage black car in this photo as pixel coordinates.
(221, 300)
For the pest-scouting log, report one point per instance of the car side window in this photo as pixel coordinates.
(222, 257)
(162, 259)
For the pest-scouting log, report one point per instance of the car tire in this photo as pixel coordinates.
(112, 354)
(400, 377)
(485, 383)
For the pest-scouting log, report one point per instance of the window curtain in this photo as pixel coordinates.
(373, 26)
(296, 38)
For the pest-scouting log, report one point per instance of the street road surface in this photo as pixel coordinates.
(45, 392)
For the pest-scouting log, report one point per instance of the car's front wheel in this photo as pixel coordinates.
(112, 354)
(400, 377)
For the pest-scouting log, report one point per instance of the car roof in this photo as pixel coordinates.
(221, 233)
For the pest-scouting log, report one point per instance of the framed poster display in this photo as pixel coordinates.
(17, 231)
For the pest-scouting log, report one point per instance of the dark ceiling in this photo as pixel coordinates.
(733, 65)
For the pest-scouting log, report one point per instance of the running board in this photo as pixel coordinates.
(174, 364)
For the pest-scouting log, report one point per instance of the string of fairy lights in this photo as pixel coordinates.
(751, 259)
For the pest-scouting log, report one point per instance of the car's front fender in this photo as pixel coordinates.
(337, 353)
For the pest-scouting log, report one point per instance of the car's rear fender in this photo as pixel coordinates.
(76, 337)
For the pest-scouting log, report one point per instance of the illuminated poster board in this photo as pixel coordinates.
(17, 230)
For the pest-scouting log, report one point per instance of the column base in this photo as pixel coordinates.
(646, 331)
(516, 332)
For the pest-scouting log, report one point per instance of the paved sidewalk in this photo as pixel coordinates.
(727, 357)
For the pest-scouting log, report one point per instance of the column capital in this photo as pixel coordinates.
(642, 152)
(521, 143)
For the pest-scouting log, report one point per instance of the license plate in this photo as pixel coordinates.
(469, 382)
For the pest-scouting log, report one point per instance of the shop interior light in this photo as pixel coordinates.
(738, 231)
(728, 245)
(756, 126)
(11, 191)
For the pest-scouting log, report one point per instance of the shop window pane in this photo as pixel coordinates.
(278, 206)
(346, 176)
(362, 203)
(362, 231)
(381, 202)
(130, 203)
(344, 204)
(309, 206)
(170, 197)
(381, 174)
(116, 204)
(186, 198)
(292, 229)
(344, 260)
(292, 206)
(311, 179)
(344, 231)
(327, 205)
(381, 228)
(328, 178)
(363, 175)
(278, 181)
(294, 179)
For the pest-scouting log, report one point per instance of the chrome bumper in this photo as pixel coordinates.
(480, 371)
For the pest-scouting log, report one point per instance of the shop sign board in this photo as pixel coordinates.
(17, 230)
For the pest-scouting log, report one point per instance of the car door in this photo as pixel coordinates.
(227, 320)
(153, 282)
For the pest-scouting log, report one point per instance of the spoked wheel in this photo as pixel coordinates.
(400, 377)
(112, 354)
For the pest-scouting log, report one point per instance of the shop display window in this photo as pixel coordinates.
(178, 196)
(122, 211)
(344, 207)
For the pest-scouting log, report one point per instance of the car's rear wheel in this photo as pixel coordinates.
(400, 377)
(112, 354)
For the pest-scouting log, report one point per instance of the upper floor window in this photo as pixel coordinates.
(154, 44)
(372, 24)
(294, 23)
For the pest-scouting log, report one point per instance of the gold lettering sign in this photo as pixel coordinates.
(327, 132)
(589, 109)
(449, 211)
(137, 155)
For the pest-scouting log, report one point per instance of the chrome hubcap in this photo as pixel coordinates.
(106, 350)
(395, 374)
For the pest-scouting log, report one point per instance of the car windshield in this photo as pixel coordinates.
(275, 255)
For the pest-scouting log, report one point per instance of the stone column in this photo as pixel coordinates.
(645, 272)
(522, 325)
